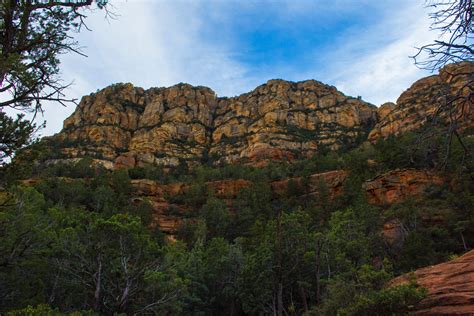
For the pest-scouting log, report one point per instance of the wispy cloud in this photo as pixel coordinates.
(361, 47)
(149, 44)
(376, 63)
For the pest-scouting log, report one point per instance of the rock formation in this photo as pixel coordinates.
(126, 126)
(386, 189)
(450, 287)
(168, 215)
(129, 126)
(430, 98)
(396, 185)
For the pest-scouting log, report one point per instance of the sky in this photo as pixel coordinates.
(360, 46)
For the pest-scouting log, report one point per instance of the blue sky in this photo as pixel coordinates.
(360, 46)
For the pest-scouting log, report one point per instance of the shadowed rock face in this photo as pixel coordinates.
(388, 188)
(130, 126)
(169, 215)
(450, 287)
(396, 185)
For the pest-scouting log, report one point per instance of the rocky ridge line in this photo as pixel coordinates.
(126, 126)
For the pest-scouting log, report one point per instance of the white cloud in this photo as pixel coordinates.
(161, 43)
(376, 65)
(150, 44)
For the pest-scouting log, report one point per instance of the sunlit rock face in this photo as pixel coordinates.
(443, 97)
(126, 126)
(286, 120)
(129, 126)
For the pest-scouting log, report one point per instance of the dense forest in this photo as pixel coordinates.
(75, 241)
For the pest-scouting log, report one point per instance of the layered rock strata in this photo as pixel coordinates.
(396, 185)
(391, 187)
(168, 215)
(450, 287)
(127, 126)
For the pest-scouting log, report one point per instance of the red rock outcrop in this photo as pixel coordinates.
(331, 180)
(394, 187)
(386, 189)
(169, 215)
(450, 287)
(397, 185)
(393, 233)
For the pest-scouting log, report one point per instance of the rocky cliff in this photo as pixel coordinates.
(450, 287)
(168, 213)
(126, 126)
(386, 189)
(444, 97)
(396, 185)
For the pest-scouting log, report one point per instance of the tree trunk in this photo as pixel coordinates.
(303, 299)
(464, 242)
(280, 299)
(279, 268)
(318, 275)
(98, 286)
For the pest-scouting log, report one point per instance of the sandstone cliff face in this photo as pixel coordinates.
(428, 98)
(283, 119)
(129, 126)
(450, 287)
(396, 185)
(386, 189)
(169, 215)
(126, 126)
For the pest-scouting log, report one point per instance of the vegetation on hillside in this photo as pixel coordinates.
(77, 242)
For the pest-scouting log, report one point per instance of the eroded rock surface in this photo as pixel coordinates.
(169, 215)
(286, 120)
(396, 185)
(125, 126)
(450, 287)
(386, 189)
(128, 126)
(437, 96)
